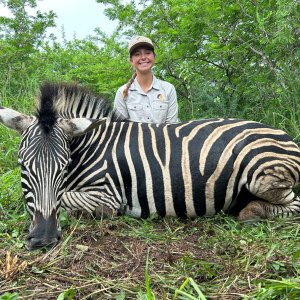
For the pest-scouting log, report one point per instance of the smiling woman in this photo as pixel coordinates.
(145, 98)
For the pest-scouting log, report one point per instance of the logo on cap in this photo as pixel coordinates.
(139, 41)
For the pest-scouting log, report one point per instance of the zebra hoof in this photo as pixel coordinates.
(254, 211)
(100, 212)
(77, 214)
(103, 212)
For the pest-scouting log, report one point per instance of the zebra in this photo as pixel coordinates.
(77, 153)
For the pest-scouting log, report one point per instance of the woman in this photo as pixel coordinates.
(145, 98)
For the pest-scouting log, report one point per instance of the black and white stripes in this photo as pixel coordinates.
(81, 155)
(42, 178)
(190, 169)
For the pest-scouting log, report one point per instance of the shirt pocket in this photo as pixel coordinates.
(136, 112)
(136, 107)
(160, 111)
(160, 106)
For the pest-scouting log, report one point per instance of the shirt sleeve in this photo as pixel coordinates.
(120, 105)
(172, 115)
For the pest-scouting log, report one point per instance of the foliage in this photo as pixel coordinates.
(97, 67)
(20, 38)
(9, 296)
(279, 289)
(228, 58)
(67, 295)
(185, 295)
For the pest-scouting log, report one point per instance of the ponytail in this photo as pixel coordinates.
(129, 83)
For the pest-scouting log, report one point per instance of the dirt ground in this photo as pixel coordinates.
(109, 262)
(94, 260)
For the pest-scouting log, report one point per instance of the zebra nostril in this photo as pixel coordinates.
(31, 243)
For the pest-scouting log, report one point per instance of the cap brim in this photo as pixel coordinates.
(137, 45)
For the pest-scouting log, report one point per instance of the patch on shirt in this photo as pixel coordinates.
(160, 97)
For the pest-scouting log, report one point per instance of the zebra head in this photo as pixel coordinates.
(44, 156)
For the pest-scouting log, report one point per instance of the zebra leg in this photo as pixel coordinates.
(100, 212)
(260, 209)
(273, 196)
(88, 205)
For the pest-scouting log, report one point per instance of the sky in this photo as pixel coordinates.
(79, 17)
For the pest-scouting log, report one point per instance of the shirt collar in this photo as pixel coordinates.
(135, 85)
(155, 83)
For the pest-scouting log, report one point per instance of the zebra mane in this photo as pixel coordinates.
(61, 100)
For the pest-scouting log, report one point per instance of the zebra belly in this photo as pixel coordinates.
(182, 194)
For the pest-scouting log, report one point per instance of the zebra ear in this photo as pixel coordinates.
(14, 119)
(79, 126)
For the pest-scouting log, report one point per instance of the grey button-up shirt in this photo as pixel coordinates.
(157, 105)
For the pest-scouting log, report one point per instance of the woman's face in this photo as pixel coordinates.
(142, 59)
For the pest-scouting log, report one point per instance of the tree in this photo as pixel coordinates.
(20, 38)
(232, 58)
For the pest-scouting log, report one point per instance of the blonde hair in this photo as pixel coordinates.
(129, 83)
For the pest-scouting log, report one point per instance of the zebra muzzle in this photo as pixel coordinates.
(45, 232)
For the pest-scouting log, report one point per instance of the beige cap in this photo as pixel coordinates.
(139, 41)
